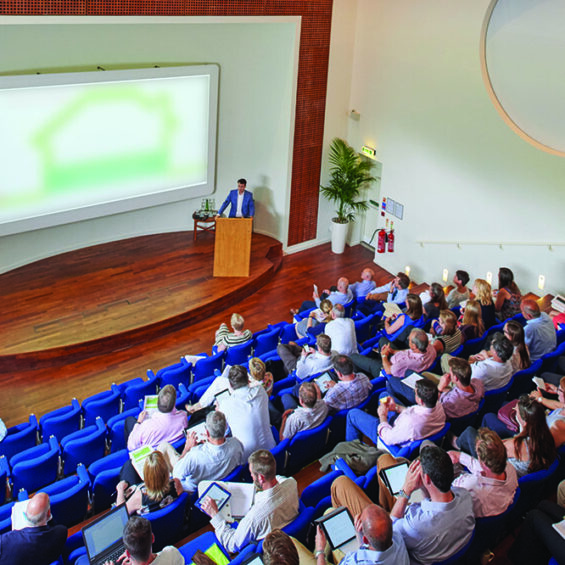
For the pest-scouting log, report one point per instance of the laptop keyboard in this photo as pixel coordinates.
(113, 556)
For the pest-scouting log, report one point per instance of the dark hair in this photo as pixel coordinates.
(242, 181)
(462, 277)
(461, 369)
(167, 399)
(343, 364)
(403, 280)
(541, 445)
(437, 296)
(324, 343)
(506, 280)
(428, 392)
(414, 308)
(518, 340)
(502, 346)
(437, 464)
(278, 549)
(138, 537)
(237, 377)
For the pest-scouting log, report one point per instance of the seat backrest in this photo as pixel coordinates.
(61, 422)
(104, 405)
(238, 354)
(85, 446)
(205, 367)
(105, 475)
(19, 438)
(266, 342)
(132, 394)
(174, 375)
(36, 467)
(167, 523)
(306, 446)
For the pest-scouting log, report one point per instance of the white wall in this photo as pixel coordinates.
(447, 155)
(257, 60)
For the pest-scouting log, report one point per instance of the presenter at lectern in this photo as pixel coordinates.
(241, 202)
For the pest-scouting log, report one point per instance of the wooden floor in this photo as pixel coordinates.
(40, 390)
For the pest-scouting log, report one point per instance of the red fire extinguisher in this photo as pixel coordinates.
(381, 239)
(391, 238)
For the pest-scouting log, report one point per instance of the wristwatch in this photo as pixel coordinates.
(402, 494)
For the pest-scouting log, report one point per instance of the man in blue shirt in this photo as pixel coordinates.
(241, 201)
(539, 331)
(395, 291)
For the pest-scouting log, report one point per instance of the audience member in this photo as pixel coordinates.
(419, 356)
(493, 367)
(436, 303)
(365, 285)
(316, 317)
(281, 549)
(138, 540)
(541, 337)
(380, 545)
(155, 426)
(520, 359)
(304, 360)
(465, 395)
(156, 491)
(482, 292)
(449, 336)
(472, 325)
(508, 296)
(213, 459)
(352, 388)
(247, 412)
(422, 420)
(491, 479)
(275, 505)
(401, 325)
(239, 336)
(341, 331)
(37, 543)
(260, 376)
(556, 417)
(340, 294)
(532, 449)
(460, 293)
(311, 412)
(394, 291)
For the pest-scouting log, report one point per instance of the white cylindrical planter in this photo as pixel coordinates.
(339, 236)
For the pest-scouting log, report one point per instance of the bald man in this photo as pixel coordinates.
(379, 544)
(37, 543)
(539, 330)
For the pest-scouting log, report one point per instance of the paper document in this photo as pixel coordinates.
(412, 379)
(391, 309)
(138, 457)
(150, 402)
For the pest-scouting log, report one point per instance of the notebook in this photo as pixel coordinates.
(103, 537)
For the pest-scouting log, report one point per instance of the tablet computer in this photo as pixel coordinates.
(222, 395)
(339, 529)
(217, 493)
(323, 382)
(254, 559)
(199, 429)
(393, 477)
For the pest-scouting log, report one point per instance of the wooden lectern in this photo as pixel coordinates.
(233, 247)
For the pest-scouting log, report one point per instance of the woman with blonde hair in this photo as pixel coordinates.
(157, 491)
(259, 375)
(482, 291)
(472, 321)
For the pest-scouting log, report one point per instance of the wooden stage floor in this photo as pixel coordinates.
(106, 297)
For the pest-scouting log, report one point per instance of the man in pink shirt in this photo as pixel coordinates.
(491, 480)
(422, 420)
(419, 356)
(164, 424)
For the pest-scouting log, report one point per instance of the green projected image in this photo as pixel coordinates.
(66, 147)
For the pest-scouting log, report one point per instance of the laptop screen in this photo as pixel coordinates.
(105, 532)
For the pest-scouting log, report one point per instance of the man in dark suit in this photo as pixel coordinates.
(241, 200)
(37, 543)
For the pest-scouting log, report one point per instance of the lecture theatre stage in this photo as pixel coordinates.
(108, 297)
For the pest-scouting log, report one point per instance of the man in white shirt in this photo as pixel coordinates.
(341, 331)
(275, 505)
(539, 331)
(494, 369)
(306, 361)
(247, 412)
(213, 459)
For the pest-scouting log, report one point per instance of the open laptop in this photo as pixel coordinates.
(103, 537)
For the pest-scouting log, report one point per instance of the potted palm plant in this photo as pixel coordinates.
(349, 174)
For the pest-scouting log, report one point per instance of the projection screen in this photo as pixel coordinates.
(75, 146)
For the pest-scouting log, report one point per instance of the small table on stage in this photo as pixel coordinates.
(204, 224)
